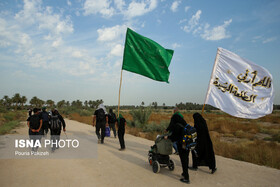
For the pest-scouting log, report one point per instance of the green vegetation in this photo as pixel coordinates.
(10, 120)
(140, 116)
(154, 127)
(8, 126)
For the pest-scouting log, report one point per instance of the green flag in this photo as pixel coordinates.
(146, 57)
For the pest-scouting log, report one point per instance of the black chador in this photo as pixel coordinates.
(204, 147)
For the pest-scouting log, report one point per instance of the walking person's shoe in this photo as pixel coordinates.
(213, 170)
(193, 168)
(185, 180)
(99, 141)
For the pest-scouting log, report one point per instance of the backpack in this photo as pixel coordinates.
(112, 118)
(189, 138)
(101, 115)
(34, 121)
(45, 116)
(55, 123)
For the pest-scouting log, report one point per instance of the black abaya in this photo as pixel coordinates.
(204, 147)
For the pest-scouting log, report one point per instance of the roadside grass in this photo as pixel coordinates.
(82, 119)
(8, 126)
(232, 137)
(10, 120)
(257, 151)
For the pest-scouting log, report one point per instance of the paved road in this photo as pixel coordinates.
(112, 167)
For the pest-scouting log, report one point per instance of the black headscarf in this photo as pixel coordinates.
(204, 148)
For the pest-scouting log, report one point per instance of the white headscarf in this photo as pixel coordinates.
(101, 106)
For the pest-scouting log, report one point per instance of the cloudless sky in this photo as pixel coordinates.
(73, 49)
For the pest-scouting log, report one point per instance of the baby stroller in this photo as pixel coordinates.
(158, 156)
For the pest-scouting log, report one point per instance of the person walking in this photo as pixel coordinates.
(112, 121)
(56, 123)
(176, 127)
(30, 112)
(100, 120)
(121, 123)
(34, 123)
(45, 118)
(204, 146)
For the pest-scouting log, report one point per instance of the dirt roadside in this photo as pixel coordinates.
(125, 168)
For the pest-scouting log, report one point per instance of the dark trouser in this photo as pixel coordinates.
(55, 137)
(35, 136)
(194, 159)
(102, 126)
(175, 146)
(121, 138)
(184, 157)
(112, 127)
(45, 127)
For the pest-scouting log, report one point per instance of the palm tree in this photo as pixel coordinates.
(36, 102)
(77, 104)
(155, 105)
(61, 104)
(50, 103)
(7, 101)
(23, 101)
(86, 104)
(16, 100)
(33, 102)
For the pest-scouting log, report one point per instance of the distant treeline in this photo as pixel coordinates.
(20, 102)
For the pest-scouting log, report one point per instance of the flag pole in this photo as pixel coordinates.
(203, 108)
(213, 70)
(120, 94)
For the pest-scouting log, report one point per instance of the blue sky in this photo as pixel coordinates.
(73, 49)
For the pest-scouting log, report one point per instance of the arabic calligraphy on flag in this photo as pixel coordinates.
(240, 87)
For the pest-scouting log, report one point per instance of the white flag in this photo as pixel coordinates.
(240, 87)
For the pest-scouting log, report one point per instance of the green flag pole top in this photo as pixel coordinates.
(146, 57)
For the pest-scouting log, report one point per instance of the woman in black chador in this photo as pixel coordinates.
(204, 147)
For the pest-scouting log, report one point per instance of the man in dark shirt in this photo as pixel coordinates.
(176, 126)
(34, 123)
(121, 123)
(45, 118)
(112, 121)
(55, 126)
(101, 119)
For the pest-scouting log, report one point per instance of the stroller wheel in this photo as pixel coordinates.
(171, 165)
(156, 167)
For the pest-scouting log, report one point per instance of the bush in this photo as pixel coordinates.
(71, 110)
(141, 116)
(2, 109)
(85, 112)
(10, 116)
(275, 137)
(153, 127)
